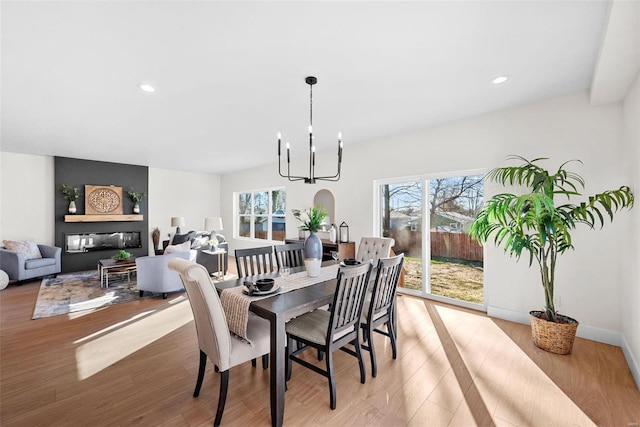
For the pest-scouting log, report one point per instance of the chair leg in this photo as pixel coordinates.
(265, 361)
(141, 293)
(203, 365)
(224, 385)
(332, 380)
(392, 336)
(356, 342)
(372, 353)
(320, 355)
(253, 362)
(164, 295)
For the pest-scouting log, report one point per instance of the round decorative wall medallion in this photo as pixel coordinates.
(103, 200)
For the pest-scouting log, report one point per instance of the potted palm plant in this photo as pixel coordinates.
(536, 223)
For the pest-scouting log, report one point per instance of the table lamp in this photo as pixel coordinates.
(213, 224)
(177, 221)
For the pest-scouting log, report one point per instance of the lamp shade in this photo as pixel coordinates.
(177, 221)
(213, 223)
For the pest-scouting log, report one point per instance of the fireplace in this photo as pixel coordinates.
(76, 243)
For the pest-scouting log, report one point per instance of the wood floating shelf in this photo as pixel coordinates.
(102, 218)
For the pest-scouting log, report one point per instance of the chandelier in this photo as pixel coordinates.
(312, 178)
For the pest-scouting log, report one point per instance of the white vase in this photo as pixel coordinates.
(72, 207)
(313, 266)
(136, 208)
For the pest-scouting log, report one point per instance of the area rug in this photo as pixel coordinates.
(73, 292)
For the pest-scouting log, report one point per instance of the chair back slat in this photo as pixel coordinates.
(253, 261)
(289, 255)
(348, 299)
(386, 283)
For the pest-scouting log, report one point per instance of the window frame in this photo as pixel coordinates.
(253, 216)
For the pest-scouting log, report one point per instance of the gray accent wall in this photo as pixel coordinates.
(78, 173)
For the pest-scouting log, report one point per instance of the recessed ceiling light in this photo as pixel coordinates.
(500, 79)
(147, 87)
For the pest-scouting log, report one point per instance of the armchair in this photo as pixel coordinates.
(19, 268)
(153, 274)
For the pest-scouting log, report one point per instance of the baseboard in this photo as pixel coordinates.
(634, 366)
(584, 331)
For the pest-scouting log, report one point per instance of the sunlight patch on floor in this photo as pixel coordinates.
(507, 377)
(128, 337)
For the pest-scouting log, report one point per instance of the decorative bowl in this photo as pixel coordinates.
(350, 261)
(264, 284)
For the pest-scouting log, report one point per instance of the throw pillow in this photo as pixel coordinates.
(181, 238)
(182, 247)
(28, 248)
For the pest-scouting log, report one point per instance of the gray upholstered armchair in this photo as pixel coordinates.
(19, 268)
(153, 274)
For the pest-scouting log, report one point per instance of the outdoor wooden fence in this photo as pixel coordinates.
(443, 244)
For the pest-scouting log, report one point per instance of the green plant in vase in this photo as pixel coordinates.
(136, 198)
(71, 194)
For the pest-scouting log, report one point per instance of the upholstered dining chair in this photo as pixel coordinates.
(254, 261)
(289, 255)
(379, 305)
(214, 339)
(331, 330)
(374, 248)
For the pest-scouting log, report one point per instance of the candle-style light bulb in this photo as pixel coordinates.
(279, 142)
(310, 129)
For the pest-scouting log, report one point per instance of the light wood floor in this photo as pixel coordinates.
(136, 364)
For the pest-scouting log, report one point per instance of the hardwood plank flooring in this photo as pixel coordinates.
(136, 363)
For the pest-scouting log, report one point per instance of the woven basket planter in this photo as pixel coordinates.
(551, 336)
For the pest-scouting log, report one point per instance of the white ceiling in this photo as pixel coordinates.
(230, 75)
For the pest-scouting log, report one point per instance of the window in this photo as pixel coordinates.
(441, 259)
(261, 214)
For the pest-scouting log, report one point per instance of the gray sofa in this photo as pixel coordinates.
(199, 243)
(18, 268)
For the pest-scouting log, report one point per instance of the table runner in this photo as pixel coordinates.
(235, 302)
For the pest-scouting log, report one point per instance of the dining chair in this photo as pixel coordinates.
(214, 339)
(289, 255)
(331, 330)
(379, 305)
(250, 262)
(374, 248)
(254, 261)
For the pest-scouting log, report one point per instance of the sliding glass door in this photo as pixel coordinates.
(429, 218)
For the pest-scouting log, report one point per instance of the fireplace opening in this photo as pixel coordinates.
(90, 242)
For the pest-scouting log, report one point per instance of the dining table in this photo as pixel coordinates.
(278, 309)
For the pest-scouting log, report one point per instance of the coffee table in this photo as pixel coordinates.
(104, 265)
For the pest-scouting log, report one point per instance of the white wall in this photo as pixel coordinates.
(191, 195)
(561, 128)
(27, 197)
(631, 278)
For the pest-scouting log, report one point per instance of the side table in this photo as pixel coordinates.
(218, 275)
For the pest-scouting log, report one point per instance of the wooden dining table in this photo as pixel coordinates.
(278, 309)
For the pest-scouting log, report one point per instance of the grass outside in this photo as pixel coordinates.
(449, 278)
